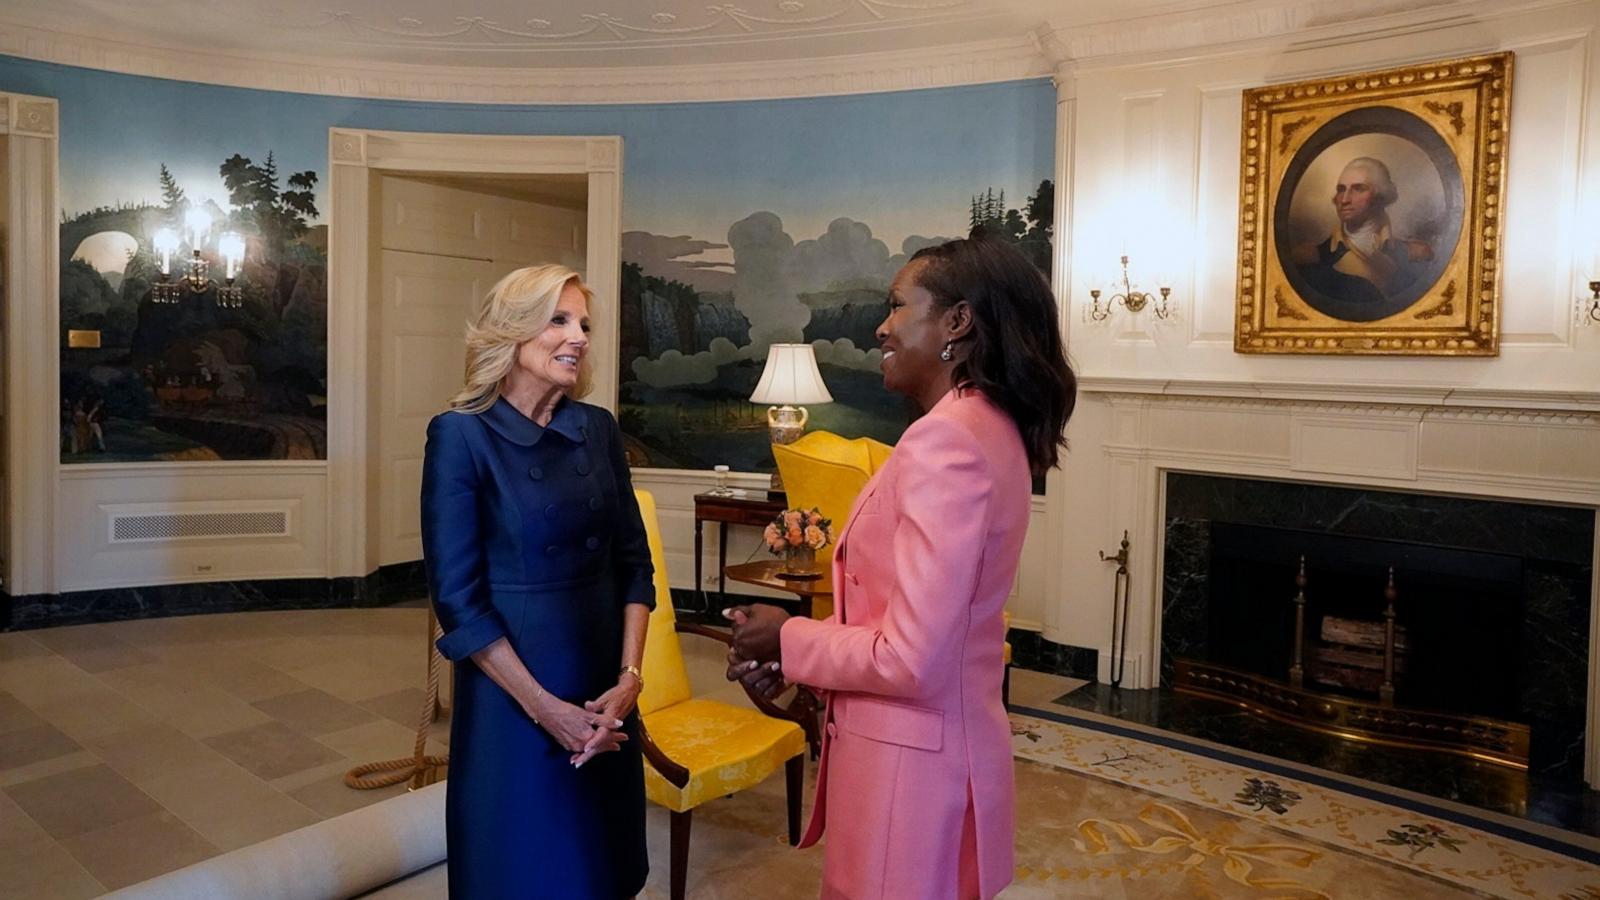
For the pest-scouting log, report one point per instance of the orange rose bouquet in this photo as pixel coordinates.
(794, 529)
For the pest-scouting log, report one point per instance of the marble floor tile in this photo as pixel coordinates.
(288, 784)
(148, 753)
(1039, 689)
(372, 741)
(80, 801)
(176, 697)
(315, 712)
(55, 765)
(271, 750)
(14, 715)
(232, 671)
(132, 850)
(26, 746)
(355, 680)
(227, 805)
(290, 654)
(93, 648)
(403, 707)
(330, 797)
(95, 711)
(40, 681)
(33, 864)
(17, 645)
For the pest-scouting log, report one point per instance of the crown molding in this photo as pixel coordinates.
(1170, 37)
(1570, 407)
(975, 63)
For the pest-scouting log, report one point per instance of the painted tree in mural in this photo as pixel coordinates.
(1031, 228)
(697, 317)
(195, 379)
(277, 215)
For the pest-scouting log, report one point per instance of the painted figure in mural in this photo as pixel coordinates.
(544, 616)
(97, 434)
(911, 660)
(1363, 260)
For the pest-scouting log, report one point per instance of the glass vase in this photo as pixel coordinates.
(799, 562)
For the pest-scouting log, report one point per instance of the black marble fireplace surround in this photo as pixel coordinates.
(1501, 588)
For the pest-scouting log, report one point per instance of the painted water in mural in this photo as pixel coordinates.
(699, 315)
(191, 375)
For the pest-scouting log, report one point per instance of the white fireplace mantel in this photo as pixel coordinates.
(1537, 447)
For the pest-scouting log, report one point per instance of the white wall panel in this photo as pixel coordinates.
(91, 494)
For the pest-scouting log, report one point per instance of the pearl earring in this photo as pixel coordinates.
(946, 353)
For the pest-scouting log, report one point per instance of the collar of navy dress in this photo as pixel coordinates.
(567, 421)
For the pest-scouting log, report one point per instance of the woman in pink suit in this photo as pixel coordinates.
(915, 782)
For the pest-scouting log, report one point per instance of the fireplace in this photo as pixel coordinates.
(1490, 601)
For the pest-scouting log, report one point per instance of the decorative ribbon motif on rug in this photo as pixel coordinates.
(1178, 833)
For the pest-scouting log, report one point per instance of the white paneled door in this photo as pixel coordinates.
(443, 248)
(427, 300)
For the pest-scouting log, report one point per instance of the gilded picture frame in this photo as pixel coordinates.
(1370, 212)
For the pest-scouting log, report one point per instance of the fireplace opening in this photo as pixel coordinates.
(1458, 616)
(1491, 628)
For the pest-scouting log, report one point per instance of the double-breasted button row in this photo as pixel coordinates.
(595, 504)
(583, 467)
(592, 543)
(535, 473)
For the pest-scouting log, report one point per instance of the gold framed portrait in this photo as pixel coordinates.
(1370, 209)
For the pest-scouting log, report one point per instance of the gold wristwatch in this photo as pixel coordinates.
(634, 671)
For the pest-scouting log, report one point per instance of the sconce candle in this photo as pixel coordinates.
(231, 246)
(198, 223)
(166, 241)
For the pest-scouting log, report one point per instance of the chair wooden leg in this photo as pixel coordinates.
(795, 777)
(679, 874)
(1005, 686)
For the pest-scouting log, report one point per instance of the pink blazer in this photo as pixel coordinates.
(915, 781)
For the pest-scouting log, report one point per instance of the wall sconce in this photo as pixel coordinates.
(1133, 301)
(196, 279)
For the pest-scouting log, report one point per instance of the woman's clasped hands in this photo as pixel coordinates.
(589, 730)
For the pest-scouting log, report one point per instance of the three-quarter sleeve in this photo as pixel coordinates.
(452, 548)
(633, 545)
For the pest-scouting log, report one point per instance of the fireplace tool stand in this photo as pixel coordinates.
(1119, 612)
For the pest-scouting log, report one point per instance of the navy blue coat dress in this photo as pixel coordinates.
(533, 534)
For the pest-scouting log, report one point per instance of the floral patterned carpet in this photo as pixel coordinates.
(1156, 821)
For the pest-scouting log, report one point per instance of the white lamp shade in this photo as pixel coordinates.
(791, 377)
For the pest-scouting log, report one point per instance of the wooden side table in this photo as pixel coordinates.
(765, 574)
(754, 508)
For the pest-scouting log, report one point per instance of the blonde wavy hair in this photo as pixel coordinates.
(519, 308)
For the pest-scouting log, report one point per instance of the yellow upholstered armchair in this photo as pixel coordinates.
(700, 749)
(826, 471)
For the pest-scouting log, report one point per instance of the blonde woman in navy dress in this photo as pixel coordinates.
(541, 577)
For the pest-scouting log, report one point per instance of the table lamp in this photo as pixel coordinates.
(790, 379)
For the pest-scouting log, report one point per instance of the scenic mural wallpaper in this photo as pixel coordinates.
(745, 223)
(196, 378)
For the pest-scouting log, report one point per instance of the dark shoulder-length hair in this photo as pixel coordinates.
(1015, 353)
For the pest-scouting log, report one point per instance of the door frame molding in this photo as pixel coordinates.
(356, 158)
(32, 310)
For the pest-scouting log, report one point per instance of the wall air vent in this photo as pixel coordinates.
(128, 528)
